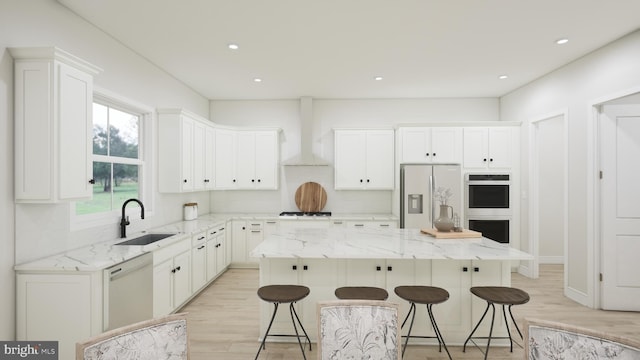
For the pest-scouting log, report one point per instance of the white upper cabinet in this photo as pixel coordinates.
(488, 148)
(257, 159)
(182, 151)
(246, 159)
(225, 165)
(430, 145)
(364, 159)
(53, 125)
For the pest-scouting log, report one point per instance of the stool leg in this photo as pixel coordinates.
(412, 312)
(506, 323)
(275, 310)
(464, 347)
(515, 323)
(295, 328)
(437, 331)
(493, 318)
(301, 327)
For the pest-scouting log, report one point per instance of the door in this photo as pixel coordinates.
(415, 196)
(620, 213)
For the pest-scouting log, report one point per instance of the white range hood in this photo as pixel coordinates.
(306, 156)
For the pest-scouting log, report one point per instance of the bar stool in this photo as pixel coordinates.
(361, 293)
(428, 295)
(282, 294)
(500, 295)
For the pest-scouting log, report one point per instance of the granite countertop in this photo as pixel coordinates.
(343, 243)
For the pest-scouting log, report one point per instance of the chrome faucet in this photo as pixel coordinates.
(124, 221)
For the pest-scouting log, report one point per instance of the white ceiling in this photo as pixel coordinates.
(334, 48)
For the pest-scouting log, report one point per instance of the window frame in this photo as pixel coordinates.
(144, 161)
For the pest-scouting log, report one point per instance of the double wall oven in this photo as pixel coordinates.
(488, 205)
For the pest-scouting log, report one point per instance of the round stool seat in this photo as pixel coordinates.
(283, 293)
(361, 293)
(422, 294)
(501, 295)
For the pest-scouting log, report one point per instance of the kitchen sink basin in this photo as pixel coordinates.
(145, 239)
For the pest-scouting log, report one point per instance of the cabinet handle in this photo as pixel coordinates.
(491, 159)
(271, 222)
(485, 160)
(434, 154)
(184, 181)
(358, 225)
(213, 233)
(244, 228)
(378, 268)
(258, 180)
(92, 181)
(253, 180)
(427, 154)
(256, 231)
(389, 268)
(221, 229)
(305, 267)
(234, 180)
(384, 225)
(201, 247)
(367, 180)
(294, 267)
(465, 269)
(361, 180)
(178, 268)
(201, 238)
(476, 269)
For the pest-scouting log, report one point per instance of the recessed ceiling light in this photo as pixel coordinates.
(562, 41)
(257, 80)
(378, 78)
(233, 46)
(502, 77)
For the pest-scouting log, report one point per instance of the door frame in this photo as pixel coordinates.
(594, 235)
(534, 241)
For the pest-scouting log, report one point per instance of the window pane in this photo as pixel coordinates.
(101, 201)
(100, 129)
(123, 132)
(126, 184)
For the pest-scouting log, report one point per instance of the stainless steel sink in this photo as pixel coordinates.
(145, 239)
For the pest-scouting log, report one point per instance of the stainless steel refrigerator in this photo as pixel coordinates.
(418, 184)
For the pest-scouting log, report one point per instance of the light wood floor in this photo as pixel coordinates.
(223, 319)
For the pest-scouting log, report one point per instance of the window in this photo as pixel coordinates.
(117, 158)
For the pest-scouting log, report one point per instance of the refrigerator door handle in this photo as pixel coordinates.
(432, 188)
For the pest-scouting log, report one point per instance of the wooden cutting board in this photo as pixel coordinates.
(465, 233)
(311, 197)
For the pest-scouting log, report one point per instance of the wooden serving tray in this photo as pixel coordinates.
(465, 233)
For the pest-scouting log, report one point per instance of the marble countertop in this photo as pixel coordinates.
(340, 243)
(105, 254)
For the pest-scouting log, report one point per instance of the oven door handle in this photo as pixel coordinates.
(480, 182)
(432, 185)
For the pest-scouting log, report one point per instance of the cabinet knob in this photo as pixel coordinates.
(253, 180)
(378, 268)
(294, 267)
(389, 268)
(258, 180)
(367, 180)
(465, 269)
(184, 181)
(92, 181)
(491, 159)
(484, 160)
(305, 267)
(427, 154)
(360, 180)
(434, 154)
(234, 180)
(476, 269)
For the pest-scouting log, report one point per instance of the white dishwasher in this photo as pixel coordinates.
(128, 292)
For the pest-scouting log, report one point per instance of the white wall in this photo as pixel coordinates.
(42, 230)
(612, 69)
(327, 115)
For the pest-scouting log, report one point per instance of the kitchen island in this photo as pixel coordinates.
(324, 259)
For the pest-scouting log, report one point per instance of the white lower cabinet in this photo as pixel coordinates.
(60, 306)
(171, 277)
(199, 260)
(246, 235)
(372, 224)
(216, 251)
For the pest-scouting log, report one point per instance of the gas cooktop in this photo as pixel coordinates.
(302, 213)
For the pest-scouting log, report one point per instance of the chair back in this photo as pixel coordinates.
(163, 338)
(358, 329)
(548, 340)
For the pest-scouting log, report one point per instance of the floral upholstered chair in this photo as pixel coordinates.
(547, 340)
(358, 329)
(164, 338)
